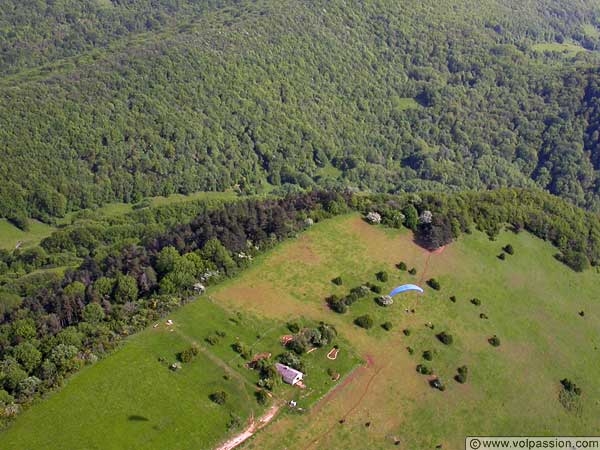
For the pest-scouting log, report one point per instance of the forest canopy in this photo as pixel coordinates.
(145, 98)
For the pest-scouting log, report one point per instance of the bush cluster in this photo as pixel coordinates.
(461, 376)
(445, 338)
(364, 321)
(424, 370)
(494, 341)
(189, 354)
(219, 397)
(434, 284)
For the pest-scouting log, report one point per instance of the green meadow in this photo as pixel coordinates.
(566, 48)
(10, 235)
(132, 399)
(529, 300)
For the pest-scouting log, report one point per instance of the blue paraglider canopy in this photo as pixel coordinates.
(404, 288)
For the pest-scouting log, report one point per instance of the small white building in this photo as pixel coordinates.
(289, 375)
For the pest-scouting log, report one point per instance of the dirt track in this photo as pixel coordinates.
(251, 429)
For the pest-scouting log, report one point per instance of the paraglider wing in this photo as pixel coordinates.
(404, 288)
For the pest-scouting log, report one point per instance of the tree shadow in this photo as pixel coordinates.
(136, 418)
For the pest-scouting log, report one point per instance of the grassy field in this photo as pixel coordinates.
(118, 208)
(568, 49)
(531, 301)
(131, 400)
(10, 235)
(407, 103)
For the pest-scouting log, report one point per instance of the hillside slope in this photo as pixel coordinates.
(543, 340)
(377, 95)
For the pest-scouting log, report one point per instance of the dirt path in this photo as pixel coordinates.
(333, 393)
(251, 429)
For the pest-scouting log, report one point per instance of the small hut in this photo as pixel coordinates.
(289, 375)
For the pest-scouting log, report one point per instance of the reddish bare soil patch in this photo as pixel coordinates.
(264, 299)
(301, 250)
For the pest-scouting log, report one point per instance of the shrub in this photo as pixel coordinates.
(424, 370)
(376, 288)
(365, 321)
(427, 355)
(291, 360)
(437, 384)
(351, 298)
(445, 338)
(502, 256)
(569, 386)
(494, 340)
(570, 396)
(410, 350)
(382, 276)
(434, 284)
(406, 332)
(453, 299)
(337, 281)
(476, 301)
(509, 249)
(219, 397)
(261, 396)
(401, 266)
(360, 291)
(293, 327)
(241, 348)
(189, 354)
(387, 326)
(337, 304)
(212, 339)
(298, 345)
(20, 221)
(234, 422)
(413, 271)
(221, 333)
(577, 261)
(461, 377)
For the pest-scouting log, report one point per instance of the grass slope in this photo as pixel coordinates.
(132, 400)
(10, 235)
(531, 300)
(532, 303)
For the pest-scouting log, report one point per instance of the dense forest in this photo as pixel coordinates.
(119, 100)
(121, 274)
